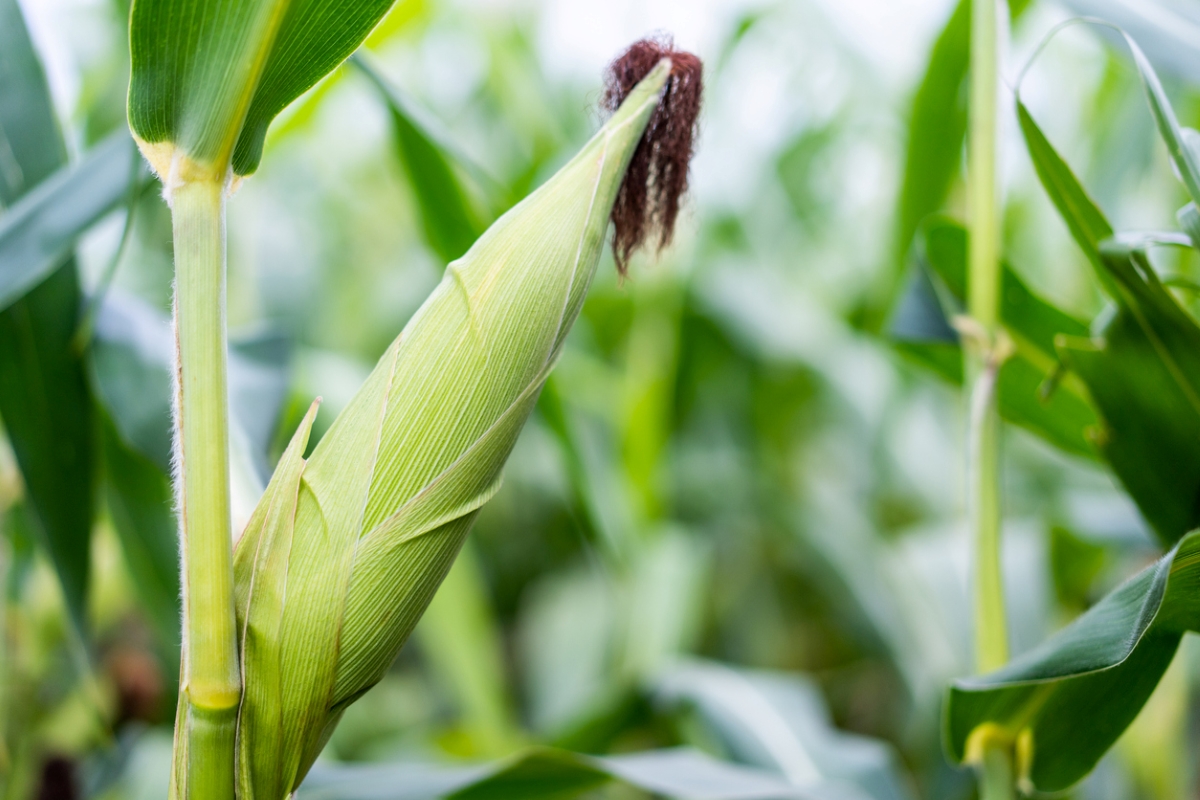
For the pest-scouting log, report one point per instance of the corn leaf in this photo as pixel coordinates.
(936, 129)
(1143, 373)
(1084, 219)
(555, 775)
(207, 78)
(387, 497)
(1170, 30)
(44, 399)
(41, 228)
(921, 331)
(1074, 695)
(1180, 142)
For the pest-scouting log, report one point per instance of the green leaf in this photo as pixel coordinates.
(1170, 30)
(1071, 697)
(779, 721)
(207, 78)
(921, 329)
(42, 227)
(1180, 142)
(1143, 373)
(553, 775)
(44, 398)
(435, 170)
(936, 129)
(1083, 217)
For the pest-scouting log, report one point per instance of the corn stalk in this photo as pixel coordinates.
(984, 360)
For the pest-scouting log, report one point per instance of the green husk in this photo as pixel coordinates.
(346, 550)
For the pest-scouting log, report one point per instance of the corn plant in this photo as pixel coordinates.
(367, 527)
(1122, 390)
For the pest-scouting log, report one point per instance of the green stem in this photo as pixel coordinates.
(996, 775)
(211, 684)
(996, 779)
(991, 641)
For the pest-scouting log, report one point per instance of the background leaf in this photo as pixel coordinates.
(557, 774)
(44, 399)
(779, 721)
(42, 227)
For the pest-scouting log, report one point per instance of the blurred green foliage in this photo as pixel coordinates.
(735, 520)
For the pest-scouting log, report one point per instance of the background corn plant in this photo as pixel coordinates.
(743, 458)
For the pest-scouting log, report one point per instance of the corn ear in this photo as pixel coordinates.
(346, 550)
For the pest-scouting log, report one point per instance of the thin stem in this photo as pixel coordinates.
(996, 775)
(991, 640)
(211, 684)
(984, 360)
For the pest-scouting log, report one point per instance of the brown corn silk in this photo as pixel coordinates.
(648, 199)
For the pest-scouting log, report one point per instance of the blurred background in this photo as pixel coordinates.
(736, 520)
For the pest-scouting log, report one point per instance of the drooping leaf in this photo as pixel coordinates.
(778, 721)
(42, 227)
(1143, 374)
(1070, 698)
(44, 399)
(1169, 30)
(207, 79)
(1181, 142)
(548, 774)
(922, 331)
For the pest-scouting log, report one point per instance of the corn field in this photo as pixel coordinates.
(726, 400)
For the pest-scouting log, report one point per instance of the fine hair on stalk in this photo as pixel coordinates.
(648, 200)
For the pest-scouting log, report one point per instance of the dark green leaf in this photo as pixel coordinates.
(1078, 691)
(936, 129)
(1144, 376)
(44, 398)
(548, 774)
